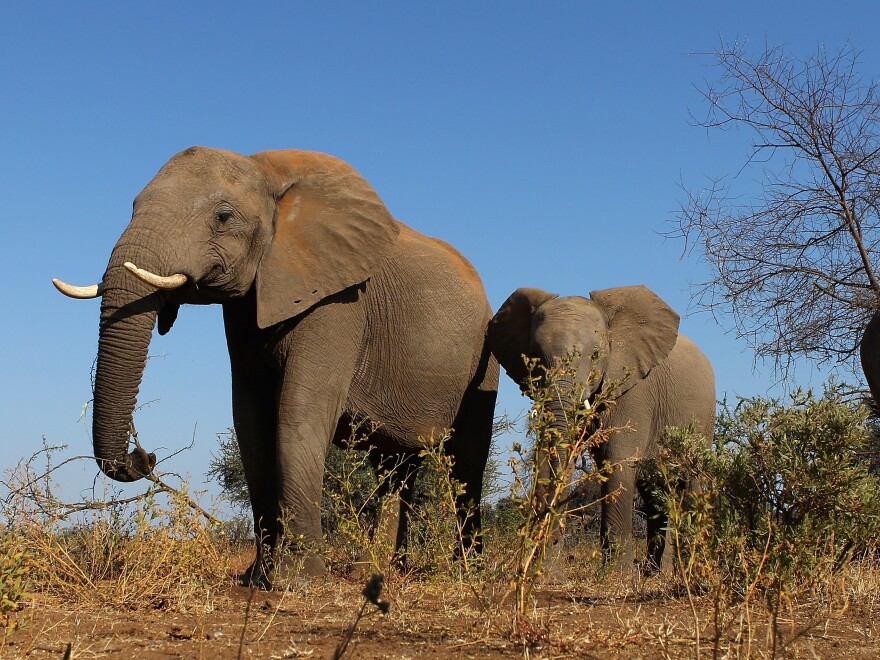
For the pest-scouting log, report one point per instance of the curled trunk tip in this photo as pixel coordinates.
(136, 465)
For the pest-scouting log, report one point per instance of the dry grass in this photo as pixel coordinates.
(608, 615)
(152, 576)
(152, 551)
(169, 588)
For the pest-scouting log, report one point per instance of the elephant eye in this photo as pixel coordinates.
(222, 215)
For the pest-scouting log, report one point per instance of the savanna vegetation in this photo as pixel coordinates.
(772, 542)
(774, 553)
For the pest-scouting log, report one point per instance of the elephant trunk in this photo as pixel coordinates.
(559, 406)
(128, 313)
(552, 460)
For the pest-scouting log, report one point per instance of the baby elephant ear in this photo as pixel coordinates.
(642, 330)
(331, 232)
(510, 330)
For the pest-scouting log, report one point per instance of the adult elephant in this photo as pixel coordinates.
(664, 380)
(334, 312)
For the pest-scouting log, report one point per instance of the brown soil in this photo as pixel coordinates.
(437, 621)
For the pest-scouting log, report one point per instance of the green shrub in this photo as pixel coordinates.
(436, 532)
(550, 486)
(786, 495)
(226, 468)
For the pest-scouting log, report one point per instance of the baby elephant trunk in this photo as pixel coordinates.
(551, 453)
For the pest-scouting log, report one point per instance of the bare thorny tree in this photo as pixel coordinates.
(791, 251)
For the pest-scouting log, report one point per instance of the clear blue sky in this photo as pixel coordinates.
(544, 140)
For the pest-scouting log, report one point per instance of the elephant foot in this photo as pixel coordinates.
(553, 574)
(652, 567)
(314, 566)
(553, 570)
(379, 558)
(619, 555)
(294, 571)
(364, 567)
(286, 572)
(256, 576)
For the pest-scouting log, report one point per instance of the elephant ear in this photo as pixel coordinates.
(331, 232)
(510, 331)
(642, 329)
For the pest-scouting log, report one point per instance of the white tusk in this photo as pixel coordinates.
(79, 292)
(158, 281)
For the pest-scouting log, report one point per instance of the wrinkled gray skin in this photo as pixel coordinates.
(633, 332)
(334, 312)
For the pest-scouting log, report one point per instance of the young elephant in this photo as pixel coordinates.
(665, 380)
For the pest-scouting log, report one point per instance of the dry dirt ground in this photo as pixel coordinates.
(437, 621)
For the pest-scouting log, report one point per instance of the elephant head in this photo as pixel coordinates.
(212, 225)
(620, 334)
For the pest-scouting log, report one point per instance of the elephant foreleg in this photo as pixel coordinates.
(319, 358)
(615, 531)
(254, 387)
(255, 431)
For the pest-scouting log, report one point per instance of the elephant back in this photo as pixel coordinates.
(426, 317)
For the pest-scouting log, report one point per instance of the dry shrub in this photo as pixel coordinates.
(351, 515)
(549, 487)
(157, 550)
(14, 583)
(152, 550)
(350, 511)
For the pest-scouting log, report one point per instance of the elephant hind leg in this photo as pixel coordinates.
(396, 475)
(469, 448)
(657, 523)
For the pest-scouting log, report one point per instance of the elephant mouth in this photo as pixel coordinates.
(218, 276)
(591, 391)
(224, 282)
